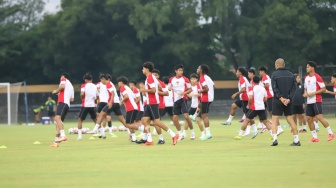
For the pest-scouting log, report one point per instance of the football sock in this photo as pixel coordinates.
(296, 138)
(314, 134)
(207, 131)
(62, 132)
(160, 137)
(230, 118)
(149, 137)
(275, 137)
(171, 133)
(329, 130)
(240, 133)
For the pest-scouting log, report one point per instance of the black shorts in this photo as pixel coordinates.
(298, 109)
(51, 113)
(139, 116)
(62, 110)
(180, 107)
(269, 104)
(152, 111)
(254, 113)
(85, 110)
(205, 107)
(100, 106)
(192, 111)
(168, 110)
(241, 104)
(115, 108)
(314, 109)
(279, 109)
(131, 116)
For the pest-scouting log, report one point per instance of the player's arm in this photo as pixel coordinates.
(205, 89)
(125, 97)
(293, 89)
(275, 88)
(110, 102)
(239, 92)
(330, 92)
(60, 88)
(72, 98)
(151, 90)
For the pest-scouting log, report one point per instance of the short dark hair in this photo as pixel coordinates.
(193, 75)
(242, 70)
(87, 76)
(141, 82)
(263, 68)
(109, 76)
(156, 71)
(102, 76)
(205, 69)
(180, 66)
(312, 64)
(66, 75)
(133, 82)
(148, 65)
(334, 75)
(251, 71)
(123, 79)
(165, 79)
(256, 79)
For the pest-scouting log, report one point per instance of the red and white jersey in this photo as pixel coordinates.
(152, 82)
(103, 93)
(313, 84)
(129, 103)
(194, 99)
(136, 93)
(243, 83)
(267, 80)
(169, 102)
(335, 89)
(67, 93)
(178, 86)
(116, 97)
(161, 98)
(90, 94)
(144, 98)
(258, 93)
(206, 80)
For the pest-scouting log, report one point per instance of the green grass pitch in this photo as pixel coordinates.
(116, 162)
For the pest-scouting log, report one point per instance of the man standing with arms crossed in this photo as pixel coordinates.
(65, 93)
(284, 86)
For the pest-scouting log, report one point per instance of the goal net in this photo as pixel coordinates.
(9, 97)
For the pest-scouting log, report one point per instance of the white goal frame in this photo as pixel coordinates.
(8, 101)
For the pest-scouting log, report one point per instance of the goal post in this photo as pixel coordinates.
(9, 98)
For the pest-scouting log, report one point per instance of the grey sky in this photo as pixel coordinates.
(52, 6)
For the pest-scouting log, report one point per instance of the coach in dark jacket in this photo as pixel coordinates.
(284, 86)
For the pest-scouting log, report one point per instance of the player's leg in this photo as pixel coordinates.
(81, 117)
(288, 112)
(310, 119)
(204, 114)
(234, 106)
(177, 111)
(191, 112)
(278, 109)
(319, 116)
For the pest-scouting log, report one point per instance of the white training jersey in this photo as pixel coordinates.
(137, 94)
(208, 96)
(313, 84)
(116, 97)
(195, 99)
(258, 93)
(169, 99)
(130, 104)
(103, 93)
(267, 80)
(179, 85)
(67, 93)
(90, 94)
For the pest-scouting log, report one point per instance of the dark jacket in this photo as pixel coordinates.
(298, 99)
(283, 84)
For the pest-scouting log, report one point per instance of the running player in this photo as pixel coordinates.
(169, 102)
(314, 87)
(65, 93)
(89, 95)
(194, 110)
(242, 92)
(130, 105)
(257, 98)
(207, 96)
(180, 85)
(151, 111)
(163, 91)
